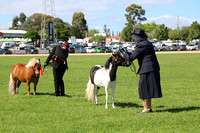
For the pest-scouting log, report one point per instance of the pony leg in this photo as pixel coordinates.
(28, 85)
(14, 86)
(106, 90)
(96, 95)
(113, 94)
(35, 84)
(17, 86)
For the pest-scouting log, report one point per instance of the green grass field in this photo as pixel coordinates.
(178, 111)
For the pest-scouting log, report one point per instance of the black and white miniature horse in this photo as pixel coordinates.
(105, 77)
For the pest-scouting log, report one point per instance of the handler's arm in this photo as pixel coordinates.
(50, 55)
(132, 56)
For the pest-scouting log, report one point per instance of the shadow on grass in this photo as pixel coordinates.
(128, 105)
(52, 94)
(177, 110)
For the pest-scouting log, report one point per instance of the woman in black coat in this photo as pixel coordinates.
(59, 56)
(149, 83)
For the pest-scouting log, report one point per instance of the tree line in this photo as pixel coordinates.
(134, 16)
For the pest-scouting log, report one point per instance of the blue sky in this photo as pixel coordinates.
(109, 12)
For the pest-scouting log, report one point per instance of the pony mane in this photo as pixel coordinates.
(32, 62)
(107, 64)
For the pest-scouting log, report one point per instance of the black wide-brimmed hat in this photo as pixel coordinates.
(139, 34)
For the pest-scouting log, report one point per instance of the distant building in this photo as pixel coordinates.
(87, 40)
(114, 39)
(12, 33)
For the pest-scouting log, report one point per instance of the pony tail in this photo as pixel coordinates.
(11, 85)
(90, 91)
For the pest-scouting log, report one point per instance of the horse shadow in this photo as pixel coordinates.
(128, 105)
(177, 110)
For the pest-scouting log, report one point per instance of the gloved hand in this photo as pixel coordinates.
(45, 64)
(122, 50)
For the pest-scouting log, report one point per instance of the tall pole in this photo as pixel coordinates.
(43, 25)
(48, 8)
(177, 22)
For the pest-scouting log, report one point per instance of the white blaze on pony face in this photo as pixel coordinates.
(32, 62)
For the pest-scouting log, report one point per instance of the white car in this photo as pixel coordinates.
(117, 45)
(89, 50)
(5, 45)
(131, 48)
(24, 44)
(127, 44)
(191, 47)
(113, 49)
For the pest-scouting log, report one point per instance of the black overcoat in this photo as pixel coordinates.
(145, 54)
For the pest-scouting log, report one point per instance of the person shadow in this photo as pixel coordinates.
(177, 110)
(171, 110)
(128, 105)
(52, 94)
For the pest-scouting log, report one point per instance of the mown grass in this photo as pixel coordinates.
(177, 111)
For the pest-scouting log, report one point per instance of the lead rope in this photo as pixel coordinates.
(46, 71)
(133, 68)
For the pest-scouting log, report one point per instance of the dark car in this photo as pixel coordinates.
(182, 47)
(31, 50)
(71, 50)
(5, 51)
(80, 50)
(106, 49)
(173, 47)
(155, 48)
(162, 47)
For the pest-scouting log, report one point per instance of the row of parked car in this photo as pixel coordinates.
(102, 49)
(80, 49)
(173, 47)
(27, 50)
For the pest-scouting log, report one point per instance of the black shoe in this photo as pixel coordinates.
(62, 94)
(57, 95)
(149, 111)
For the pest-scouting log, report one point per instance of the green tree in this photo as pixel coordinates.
(92, 32)
(161, 32)
(150, 29)
(62, 32)
(184, 33)
(135, 14)
(107, 31)
(15, 23)
(174, 34)
(79, 21)
(22, 17)
(126, 33)
(98, 39)
(33, 35)
(75, 31)
(194, 31)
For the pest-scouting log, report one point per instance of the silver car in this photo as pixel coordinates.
(191, 47)
(80, 50)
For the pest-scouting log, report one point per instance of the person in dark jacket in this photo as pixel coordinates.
(149, 69)
(59, 56)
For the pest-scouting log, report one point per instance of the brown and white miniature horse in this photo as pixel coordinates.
(24, 73)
